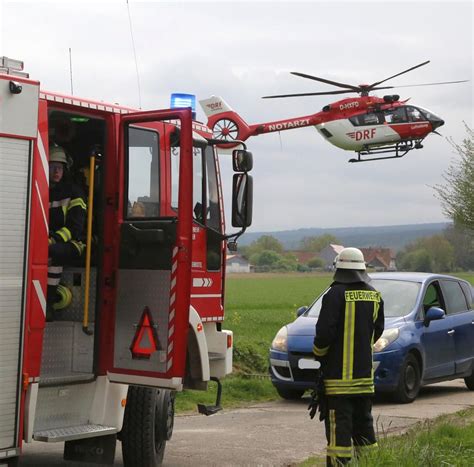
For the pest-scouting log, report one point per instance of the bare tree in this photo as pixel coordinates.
(457, 194)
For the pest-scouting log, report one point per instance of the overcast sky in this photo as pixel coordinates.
(244, 50)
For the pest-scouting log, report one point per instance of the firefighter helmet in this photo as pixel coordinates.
(57, 154)
(350, 258)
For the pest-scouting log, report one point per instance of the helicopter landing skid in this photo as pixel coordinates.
(398, 149)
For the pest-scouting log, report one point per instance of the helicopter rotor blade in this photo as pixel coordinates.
(398, 74)
(304, 94)
(327, 81)
(427, 84)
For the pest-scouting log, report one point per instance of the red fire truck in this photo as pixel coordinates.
(145, 319)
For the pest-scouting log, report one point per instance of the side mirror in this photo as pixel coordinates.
(242, 160)
(434, 313)
(242, 200)
(301, 310)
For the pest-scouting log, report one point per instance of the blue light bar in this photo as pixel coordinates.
(179, 100)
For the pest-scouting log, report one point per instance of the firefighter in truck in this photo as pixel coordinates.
(140, 304)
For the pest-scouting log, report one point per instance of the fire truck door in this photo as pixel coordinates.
(153, 278)
(18, 130)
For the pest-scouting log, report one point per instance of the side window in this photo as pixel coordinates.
(213, 217)
(143, 177)
(198, 181)
(174, 177)
(454, 296)
(397, 115)
(374, 118)
(432, 297)
(414, 115)
(468, 294)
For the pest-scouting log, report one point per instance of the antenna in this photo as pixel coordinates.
(70, 70)
(135, 57)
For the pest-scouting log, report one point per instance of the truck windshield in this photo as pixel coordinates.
(399, 297)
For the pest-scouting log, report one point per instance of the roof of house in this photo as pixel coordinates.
(381, 255)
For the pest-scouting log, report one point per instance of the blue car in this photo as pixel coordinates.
(428, 337)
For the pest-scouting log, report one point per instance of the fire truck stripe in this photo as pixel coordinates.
(170, 347)
(44, 159)
(40, 295)
(171, 316)
(171, 331)
(170, 363)
(173, 283)
(173, 268)
(42, 207)
(172, 299)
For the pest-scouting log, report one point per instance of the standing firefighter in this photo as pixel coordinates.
(350, 322)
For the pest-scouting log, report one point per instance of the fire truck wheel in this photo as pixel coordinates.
(147, 425)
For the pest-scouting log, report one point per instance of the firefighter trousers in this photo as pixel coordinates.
(60, 254)
(349, 422)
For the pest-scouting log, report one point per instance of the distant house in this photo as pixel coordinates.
(380, 259)
(329, 253)
(303, 257)
(237, 263)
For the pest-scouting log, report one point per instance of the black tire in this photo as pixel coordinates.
(290, 394)
(469, 380)
(147, 425)
(410, 381)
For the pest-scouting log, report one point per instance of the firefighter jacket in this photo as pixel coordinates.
(350, 322)
(67, 214)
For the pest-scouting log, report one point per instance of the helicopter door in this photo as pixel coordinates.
(153, 279)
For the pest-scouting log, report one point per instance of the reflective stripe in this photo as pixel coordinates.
(77, 202)
(339, 451)
(79, 246)
(61, 202)
(320, 352)
(53, 280)
(65, 234)
(359, 390)
(332, 429)
(348, 351)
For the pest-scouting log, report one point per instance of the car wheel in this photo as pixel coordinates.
(290, 394)
(469, 380)
(410, 381)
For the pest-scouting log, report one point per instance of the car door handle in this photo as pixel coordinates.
(450, 333)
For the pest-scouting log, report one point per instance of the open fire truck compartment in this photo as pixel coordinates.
(147, 304)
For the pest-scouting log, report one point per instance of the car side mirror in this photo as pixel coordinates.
(434, 313)
(301, 310)
(242, 200)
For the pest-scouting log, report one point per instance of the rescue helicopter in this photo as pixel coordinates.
(384, 127)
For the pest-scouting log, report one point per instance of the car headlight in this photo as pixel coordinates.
(280, 342)
(387, 337)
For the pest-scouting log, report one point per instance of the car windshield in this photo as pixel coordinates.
(399, 297)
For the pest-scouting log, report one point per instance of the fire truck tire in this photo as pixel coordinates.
(147, 425)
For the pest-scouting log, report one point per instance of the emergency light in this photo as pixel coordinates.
(179, 100)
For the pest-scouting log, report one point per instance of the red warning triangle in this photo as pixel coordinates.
(145, 341)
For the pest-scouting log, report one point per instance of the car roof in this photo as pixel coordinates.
(410, 276)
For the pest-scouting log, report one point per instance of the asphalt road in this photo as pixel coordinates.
(274, 433)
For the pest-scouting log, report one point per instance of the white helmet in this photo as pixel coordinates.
(350, 258)
(57, 154)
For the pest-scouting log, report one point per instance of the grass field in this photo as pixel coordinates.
(445, 441)
(257, 306)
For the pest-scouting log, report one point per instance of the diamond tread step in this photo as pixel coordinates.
(73, 432)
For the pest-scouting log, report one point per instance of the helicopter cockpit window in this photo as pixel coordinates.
(397, 115)
(414, 115)
(373, 118)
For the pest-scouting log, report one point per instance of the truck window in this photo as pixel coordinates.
(454, 297)
(143, 181)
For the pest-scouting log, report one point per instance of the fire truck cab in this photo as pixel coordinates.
(145, 318)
